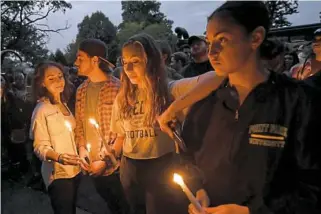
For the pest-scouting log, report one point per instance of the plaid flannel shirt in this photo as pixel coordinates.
(106, 99)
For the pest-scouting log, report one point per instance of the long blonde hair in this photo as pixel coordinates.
(155, 82)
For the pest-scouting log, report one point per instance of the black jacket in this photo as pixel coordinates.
(195, 69)
(264, 154)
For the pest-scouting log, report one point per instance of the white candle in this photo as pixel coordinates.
(110, 155)
(96, 126)
(68, 125)
(179, 180)
(88, 146)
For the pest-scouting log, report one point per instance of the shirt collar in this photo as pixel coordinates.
(260, 93)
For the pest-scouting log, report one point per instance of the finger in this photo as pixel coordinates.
(83, 166)
(191, 209)
(72, 162)
(84, 163)
(72, 156)
(213, 209)
(204, 202)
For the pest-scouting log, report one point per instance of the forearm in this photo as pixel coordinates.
(118, 145)
(207, 83)
(52, 155)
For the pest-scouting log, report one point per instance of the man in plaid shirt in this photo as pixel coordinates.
(94, 99)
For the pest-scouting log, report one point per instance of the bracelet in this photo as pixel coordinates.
(59, 160)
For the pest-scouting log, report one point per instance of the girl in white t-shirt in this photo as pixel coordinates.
(146, 169)
(52, 131)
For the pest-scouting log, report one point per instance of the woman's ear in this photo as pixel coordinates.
(258, 36)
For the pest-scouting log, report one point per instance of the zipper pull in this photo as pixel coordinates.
(237, 115)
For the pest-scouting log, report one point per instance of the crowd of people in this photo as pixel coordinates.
(245, 107)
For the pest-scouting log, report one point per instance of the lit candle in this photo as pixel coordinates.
(68, 125)
(110, 154)
(93, 122)
(88, 146)
(179, 180)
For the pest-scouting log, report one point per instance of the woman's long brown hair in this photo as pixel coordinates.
(155, 83)
(41, 92)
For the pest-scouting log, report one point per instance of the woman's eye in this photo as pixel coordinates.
(223, 40)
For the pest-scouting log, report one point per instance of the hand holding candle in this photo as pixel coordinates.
(88, 147)
(69, 127)
(179, 180)
(108, 152)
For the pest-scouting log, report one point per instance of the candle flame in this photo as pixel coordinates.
(178, 179)
(68, 125)
(93, 122)
(88, 147)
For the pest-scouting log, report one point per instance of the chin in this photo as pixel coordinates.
(134, 81)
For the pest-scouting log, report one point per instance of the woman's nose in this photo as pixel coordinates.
(129, 66)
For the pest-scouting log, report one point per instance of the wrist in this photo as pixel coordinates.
(171, 111)
(81, 148)
(116, 153)
(59, 159)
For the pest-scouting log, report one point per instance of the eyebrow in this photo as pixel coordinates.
(222, 31)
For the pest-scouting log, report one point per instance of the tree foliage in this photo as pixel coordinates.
(96, 26)
(146, 12)
(279, 10)
(59, 57)
(144, 16)
(22, 29)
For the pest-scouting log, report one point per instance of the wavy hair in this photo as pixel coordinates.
(41, 92)
(154, 83)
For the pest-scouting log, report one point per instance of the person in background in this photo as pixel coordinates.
(178, 61)
(71, 78)
(275, 60)
(19, 86)
(117, 71)
(19, 113)
(166, 52)
(251, 117)
(312, 64)
(94, 99)
(5, 130)
(187, 50)
(200, 63)
(302, 52)
(53, 140)
(290, 59)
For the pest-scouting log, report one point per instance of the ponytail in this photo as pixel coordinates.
(270, 48)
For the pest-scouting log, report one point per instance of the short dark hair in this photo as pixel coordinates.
(273, 48)
(37, 88)
(181, 56)
(294, 56)
(96, 47)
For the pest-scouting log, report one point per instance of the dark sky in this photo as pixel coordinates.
(188, 14)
